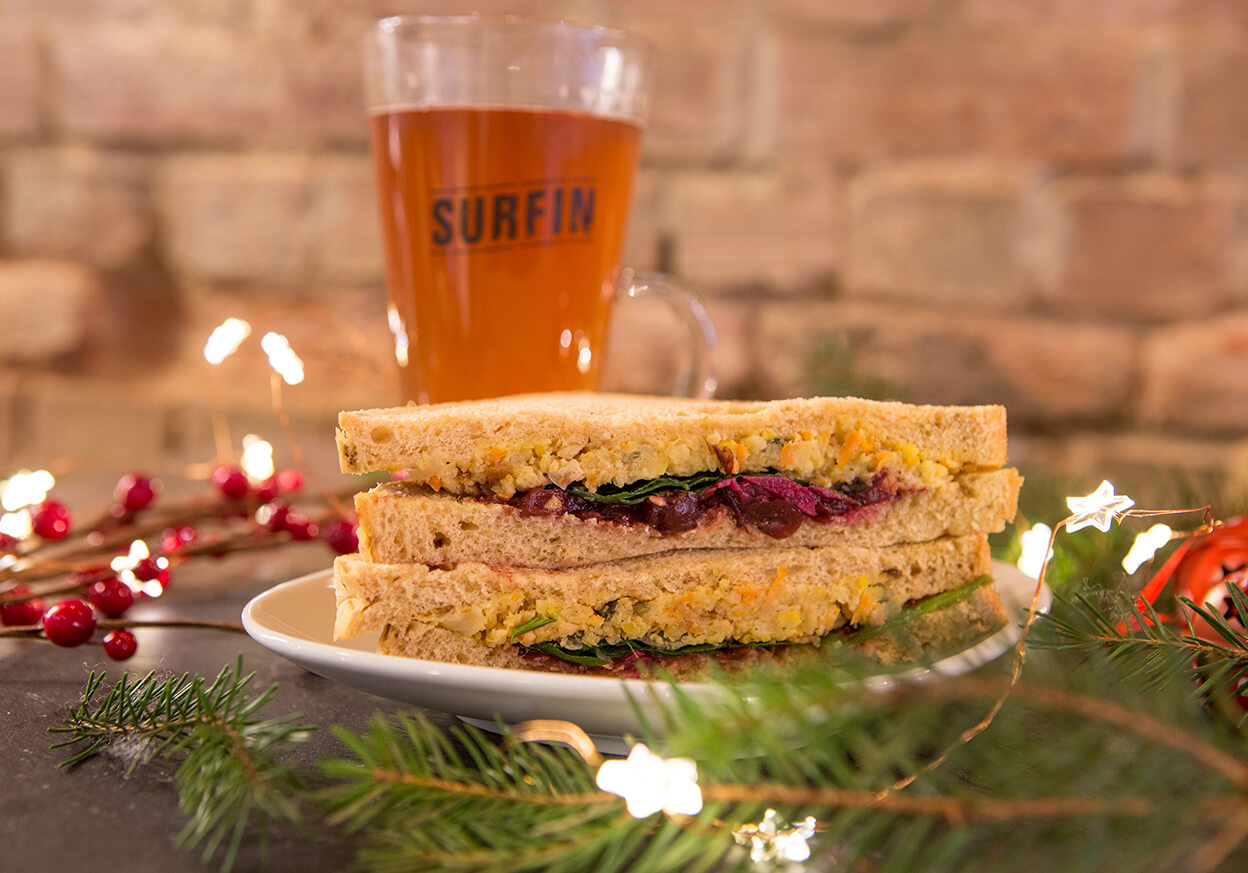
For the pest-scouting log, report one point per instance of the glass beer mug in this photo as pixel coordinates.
(505, 151)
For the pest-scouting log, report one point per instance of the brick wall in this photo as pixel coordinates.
(1042, 203)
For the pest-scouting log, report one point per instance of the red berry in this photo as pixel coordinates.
(231, 482)
(175, 538)
(301, 528)
(69, 623)
(8, 544)
(146, 570)
(288, 480)
(341, 536)
(50, 520)
(162, 579)
(23, 612)
(111, 597)
(274, 516)
(119, 644)
(134, 491)
(266, 489)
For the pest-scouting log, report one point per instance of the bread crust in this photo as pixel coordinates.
(403, 522)
(528, 441)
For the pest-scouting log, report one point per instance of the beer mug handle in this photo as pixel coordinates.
(696, 377)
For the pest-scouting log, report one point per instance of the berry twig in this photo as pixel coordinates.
(36, 631)
(99, 570)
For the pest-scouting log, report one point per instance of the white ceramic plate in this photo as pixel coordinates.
(295, 619)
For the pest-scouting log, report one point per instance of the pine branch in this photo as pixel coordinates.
(1089, 770)
(432, 801)
(1146, 645)
(231, 778)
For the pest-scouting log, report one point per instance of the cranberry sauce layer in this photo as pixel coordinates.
(774, 505)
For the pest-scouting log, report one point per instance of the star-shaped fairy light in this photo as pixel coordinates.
(774, 840)
(125, 565)
(649, 783)
(1098, 509)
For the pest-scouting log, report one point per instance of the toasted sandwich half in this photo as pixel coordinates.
(565, 480)
(679, 610)
(591, 531)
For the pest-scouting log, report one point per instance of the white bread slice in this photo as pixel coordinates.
(528, 441)
(402, 522)
(924, 638)
(669, 600)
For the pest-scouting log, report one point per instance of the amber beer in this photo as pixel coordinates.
(502, 228)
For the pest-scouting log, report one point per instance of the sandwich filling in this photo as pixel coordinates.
(710, 616)
(629, 655)
(773, 504)
(591, 652)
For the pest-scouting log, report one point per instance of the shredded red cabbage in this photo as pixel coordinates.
(774, 505)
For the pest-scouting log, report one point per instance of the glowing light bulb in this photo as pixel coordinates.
(257, 459)
(772, 840)
(225, 340)
(16, 524)
(649, 783)
(282, 358)
(25, 488)
(1034, 542)
(1145, 547)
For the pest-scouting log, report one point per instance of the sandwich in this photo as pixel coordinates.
(611, 532)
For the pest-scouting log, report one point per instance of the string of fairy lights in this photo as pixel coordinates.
(26, 489)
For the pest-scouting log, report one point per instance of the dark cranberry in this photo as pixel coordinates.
(231, 482)
(69, 623)
(8, 544)
(301, 528)
(541, 501)
(288, 480)
(266, 490)
(146, 570)
(162, 579)
(175, 538)
(341, 536)
(119, 644)
(50, 520)
(672, 513)
(23, 612)
(274, 516)
(111, 597)
(134, 492)
(776, 518)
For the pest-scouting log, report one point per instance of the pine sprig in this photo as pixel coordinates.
(431, 801)
(1098, 770)
(1148, 646)
(232, 777)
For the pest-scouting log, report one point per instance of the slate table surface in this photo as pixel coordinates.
(93, 818)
